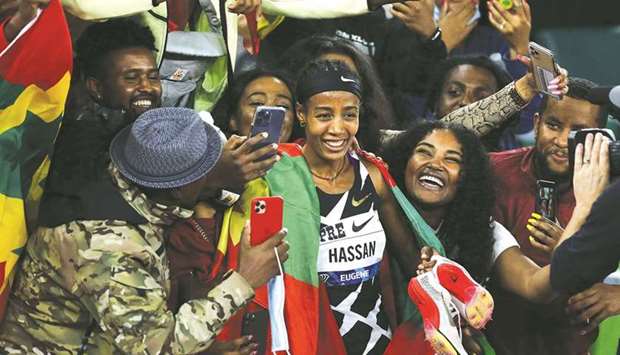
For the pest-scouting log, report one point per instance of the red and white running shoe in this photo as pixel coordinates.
(472, 300)
(434, 304)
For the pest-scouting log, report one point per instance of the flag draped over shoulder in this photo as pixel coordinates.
(35, 72)
(311, 326)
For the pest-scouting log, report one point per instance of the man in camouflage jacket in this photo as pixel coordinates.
(100, 286)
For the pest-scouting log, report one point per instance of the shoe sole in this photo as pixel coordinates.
(430, 315)
(476, 300)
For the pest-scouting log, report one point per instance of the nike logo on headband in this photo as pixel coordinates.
(346, 80)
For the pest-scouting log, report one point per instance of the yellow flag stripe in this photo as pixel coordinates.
(47, 105)
(13, 233)
(236, 216)
(35, 192)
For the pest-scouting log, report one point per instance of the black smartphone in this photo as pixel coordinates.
(544, 68)
(576, 137)
(268, 119)
(256, 324)
(546, 199)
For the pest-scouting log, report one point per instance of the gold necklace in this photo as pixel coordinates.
(330, 178)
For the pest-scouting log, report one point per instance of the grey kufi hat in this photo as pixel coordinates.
(166, 148)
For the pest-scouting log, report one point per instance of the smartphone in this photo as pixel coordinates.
(576, 137)
(506, 4)
(546, 199)
(268, 119)
(544, 68)
(256, 324)
(265, 218)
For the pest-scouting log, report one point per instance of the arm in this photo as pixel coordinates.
(408, 53)
(521, 276)
(134, 311)
(595, 245)
(592, 228)
(401, 241)
(491, 112)
(129, 303)
(103, 9)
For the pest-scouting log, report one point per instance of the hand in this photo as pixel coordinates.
(244, 6)
(514, 24)
(545, 234)
(239, 162)
(591, 175)
(426, 264)
(454, 23)
(526, 85)
(417, 15)
(239, 346)
(258, 264)
(594, 305)
(23, 12)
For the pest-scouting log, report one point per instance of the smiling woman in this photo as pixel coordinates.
(358, 213)
(446, 174)
(445, 171)
(257, 87)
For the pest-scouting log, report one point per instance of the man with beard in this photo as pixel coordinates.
(118, 72)
(518, 326)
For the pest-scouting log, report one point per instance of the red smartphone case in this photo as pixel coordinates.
(265, 218)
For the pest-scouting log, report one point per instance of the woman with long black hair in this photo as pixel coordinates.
(445, 172)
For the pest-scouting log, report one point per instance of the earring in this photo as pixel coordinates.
(302, 123)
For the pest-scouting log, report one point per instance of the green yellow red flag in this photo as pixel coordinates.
(35, 72)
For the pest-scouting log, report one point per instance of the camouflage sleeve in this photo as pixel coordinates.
(489, 113)
(130, 307)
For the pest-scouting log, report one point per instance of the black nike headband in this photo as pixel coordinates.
(329, 80)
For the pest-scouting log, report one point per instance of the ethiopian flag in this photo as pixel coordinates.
(35, 71)
(310, 323)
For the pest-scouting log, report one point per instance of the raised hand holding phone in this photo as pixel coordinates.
(527, 87)
(268, 119)
(544, 69)
(259, 263)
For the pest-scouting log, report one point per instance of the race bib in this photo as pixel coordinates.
(351, 250)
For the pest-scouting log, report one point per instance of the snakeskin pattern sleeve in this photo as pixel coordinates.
(489, 113)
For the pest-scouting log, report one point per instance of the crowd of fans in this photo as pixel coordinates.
(142, 241)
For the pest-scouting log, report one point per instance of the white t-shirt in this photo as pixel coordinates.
(502, 240)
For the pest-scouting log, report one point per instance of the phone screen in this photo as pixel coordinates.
(546, 199)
